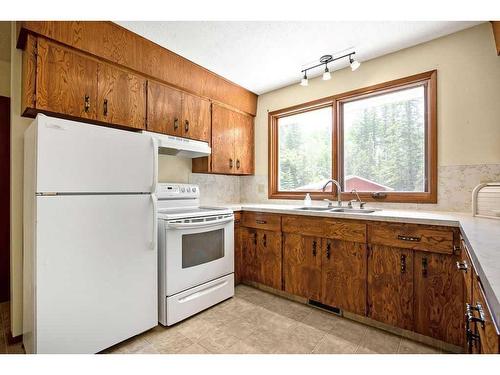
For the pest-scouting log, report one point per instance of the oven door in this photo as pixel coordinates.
(198, 250)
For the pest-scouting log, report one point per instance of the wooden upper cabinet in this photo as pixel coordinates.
(196, 117)
(243, 143)
(390, 285)
(222, 140)
(302, 265)
(439, 297)
(121, 98)
(164, 109)
(66, 81)
(344, 275)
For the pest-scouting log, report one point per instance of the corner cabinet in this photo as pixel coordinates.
(232, 144)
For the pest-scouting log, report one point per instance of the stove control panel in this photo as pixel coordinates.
(177, 191)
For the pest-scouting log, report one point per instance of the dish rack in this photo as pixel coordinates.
(486, 200)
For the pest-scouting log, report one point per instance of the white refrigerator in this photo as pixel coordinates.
(90, 233)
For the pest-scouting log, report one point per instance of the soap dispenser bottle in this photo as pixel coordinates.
(307, 200)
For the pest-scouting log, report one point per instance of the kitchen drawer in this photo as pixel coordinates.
(412, 236)
(488, 333)
(260, 220)
(464, 265)
(324, 227)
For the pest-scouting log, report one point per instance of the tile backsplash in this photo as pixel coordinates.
(455, 184)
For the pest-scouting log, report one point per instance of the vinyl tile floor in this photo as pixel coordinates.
(256, 322)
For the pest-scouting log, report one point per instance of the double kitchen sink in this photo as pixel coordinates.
(337, 209)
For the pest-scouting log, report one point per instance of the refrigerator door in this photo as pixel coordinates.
(74, 157)
(96, 279)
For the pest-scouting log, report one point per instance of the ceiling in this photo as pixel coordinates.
(5, 40)
(264, 56)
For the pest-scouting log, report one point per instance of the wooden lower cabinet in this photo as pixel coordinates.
(261, 256)
(238, 256)
(302, 265)
(390, 285)
(343, 275)
(439, 297)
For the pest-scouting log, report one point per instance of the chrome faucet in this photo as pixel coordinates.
(339, 198)
(361, 203)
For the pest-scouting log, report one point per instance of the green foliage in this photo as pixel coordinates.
(384, 144)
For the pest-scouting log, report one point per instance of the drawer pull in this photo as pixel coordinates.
(469, 313)
(86, 105)
(409, 238)
(424, 267)
(261, 221)
(462, 266)
(403, 263)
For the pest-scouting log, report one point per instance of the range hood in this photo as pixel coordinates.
(177, 146)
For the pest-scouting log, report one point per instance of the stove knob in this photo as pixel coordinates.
(194, 190)
(182, 190)
(188, 189)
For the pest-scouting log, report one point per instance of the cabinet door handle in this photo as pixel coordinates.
(408, 238)
(86, 104)
(328, 250)
(469, 314)
(237, 163)
(105, 107)
(176, 123)
(403, 263)
(264, 240)
(424, 267)
(231, 163)
(186, 125)
(315, 248)
(462, 266)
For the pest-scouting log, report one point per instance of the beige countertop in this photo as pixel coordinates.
(481, 235)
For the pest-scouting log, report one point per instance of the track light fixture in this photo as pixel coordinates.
(324, 60)
(304, 81)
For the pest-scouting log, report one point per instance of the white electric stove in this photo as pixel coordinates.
(195, 253)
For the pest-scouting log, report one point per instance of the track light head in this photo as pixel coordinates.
(354, 64)
(326, 75)
(304, 81)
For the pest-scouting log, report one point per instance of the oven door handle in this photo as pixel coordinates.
(201, 224)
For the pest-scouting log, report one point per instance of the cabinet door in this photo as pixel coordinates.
(121, 97)
(243, 143)
(222, 140)
(302, 265)
(195, 118)
(344, 275)
(66, 81)
(439, 297)
(269, 255)
(164, 109)
(251, 264)
(390, 285)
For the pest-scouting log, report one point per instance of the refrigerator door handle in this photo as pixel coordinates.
(154, 240)
(155, 164)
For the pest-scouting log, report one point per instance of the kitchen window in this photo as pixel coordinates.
(380, 141)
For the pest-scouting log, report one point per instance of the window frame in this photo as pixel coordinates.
(427, 79)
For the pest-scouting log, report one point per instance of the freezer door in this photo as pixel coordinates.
(74, 157)
(96, 279)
